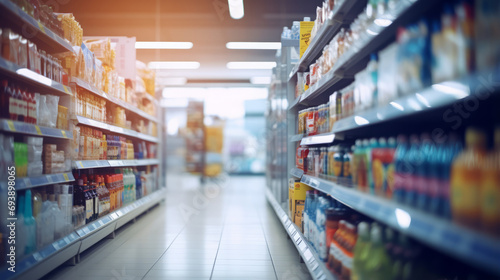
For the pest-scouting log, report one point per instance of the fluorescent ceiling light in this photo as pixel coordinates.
(171, 81)
(163, 45)
(260, 80)
(174, 65)
(251, 65)
(236, 9)
(253, 45)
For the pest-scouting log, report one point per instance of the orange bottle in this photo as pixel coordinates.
(466, 180)
(490, 190)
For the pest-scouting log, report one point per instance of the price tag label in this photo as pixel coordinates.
(10, 124)
(66, 239)
(66, 178)
(42, 28)
(66, 89)
(64, 133)
(80, 164)
(38, 131)
(37, 256)
(101, 222)
(56, 246)
(49, 179)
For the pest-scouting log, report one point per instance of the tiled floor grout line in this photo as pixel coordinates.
(267, 243)
(218, 247)
(164, 252)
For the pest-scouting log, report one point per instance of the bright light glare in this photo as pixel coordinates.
(236, 9)
(251, 65)
(453, 88)
(383, 22)
(403, 218)
(423, 100)
(360, 120)
(163, 45)
(253, 45)
(397, 106)
(34, 76)
(173, 127)
(174, 65)
(260, 80)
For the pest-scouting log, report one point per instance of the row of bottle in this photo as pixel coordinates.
(355, 248)
(102, 194)
(89, 105)
(18, 105)
(434, 175)
(43, 215)
(93, 144)
(330, 162)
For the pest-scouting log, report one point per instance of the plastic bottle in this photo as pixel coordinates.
(30, 225)
(21, 230)
(466, 178)
(372, 69)
(361, 250)
(428, 161)
(295, 32)
(412, 161)
(312, 218)
(490, 190)
(305, 215)
(378, 265)
(373, 145)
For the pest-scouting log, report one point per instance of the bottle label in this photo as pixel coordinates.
(322, 245)
(12, 106)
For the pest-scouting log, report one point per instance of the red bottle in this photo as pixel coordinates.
(4, 100)
(32, 109)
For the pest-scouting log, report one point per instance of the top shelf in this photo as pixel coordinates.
(33, 30)
(82, 84)
(341, 15)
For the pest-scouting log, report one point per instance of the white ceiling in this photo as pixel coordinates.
(206, 23)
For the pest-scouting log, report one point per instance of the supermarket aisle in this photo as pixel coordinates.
(231, 233)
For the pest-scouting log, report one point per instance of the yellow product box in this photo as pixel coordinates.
(299, 197)
(305, 35)
(299, 208)
(291, 183)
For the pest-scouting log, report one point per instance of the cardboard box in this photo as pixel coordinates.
(298, 199)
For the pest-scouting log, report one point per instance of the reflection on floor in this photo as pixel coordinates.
(225, 230)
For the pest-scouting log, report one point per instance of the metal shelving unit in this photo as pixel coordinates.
(472, 247)
(468, 245)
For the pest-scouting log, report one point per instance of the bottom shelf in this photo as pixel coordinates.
(51, 256)
(316, 267)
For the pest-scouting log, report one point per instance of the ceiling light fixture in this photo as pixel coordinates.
(260, 80)
(236, 9)
(150, 45)
(174, 65)
(253, 45)
(251, 65)
(171, 81)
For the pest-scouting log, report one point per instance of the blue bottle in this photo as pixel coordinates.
(413, 159)
(400, 174)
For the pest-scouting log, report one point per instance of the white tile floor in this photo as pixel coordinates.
(225, 231)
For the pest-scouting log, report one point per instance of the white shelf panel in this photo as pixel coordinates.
(325, 138)
(460, 242)
(316, 267)
(87, 164)
(116, 129)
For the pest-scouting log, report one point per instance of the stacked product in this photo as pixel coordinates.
(54, 160)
